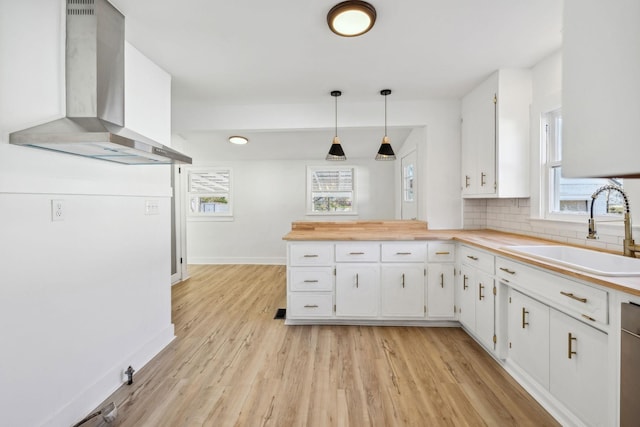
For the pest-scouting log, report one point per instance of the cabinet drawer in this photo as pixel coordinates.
(581, 300)
(357, 252)
(303, 305)
(404, 252)
(310, 254)
(477, 258)
(442, 252)
(511, 271)
(587, 302)
(305, 279)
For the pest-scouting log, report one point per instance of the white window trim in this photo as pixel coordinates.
(546, 192)
(201, 216)
(309, 202)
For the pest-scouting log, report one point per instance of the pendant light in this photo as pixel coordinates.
(335, 152)
(385, 152)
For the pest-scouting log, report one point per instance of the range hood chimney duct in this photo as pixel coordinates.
(94, 76)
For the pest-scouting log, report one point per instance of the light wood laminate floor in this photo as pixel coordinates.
(232, 364)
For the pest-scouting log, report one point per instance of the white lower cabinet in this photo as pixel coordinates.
(441, 281)
(477, 295)
(579, 368)
(440, 291)
(485, 306)
(310, 280)
(466, 298)
(528, 331)
(402, 289)
(358, 290)
(559, 341)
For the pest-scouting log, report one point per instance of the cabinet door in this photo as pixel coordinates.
(467, 300)
(600, 69)
(484, 308)
(579, 368)
(479, 139)
(357, 290)
(402, 288)
(440, 291)
(528, 330)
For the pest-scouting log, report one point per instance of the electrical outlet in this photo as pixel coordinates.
(151, 207)
(57, 210)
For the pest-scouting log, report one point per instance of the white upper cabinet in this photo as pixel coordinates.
(495, 136)
(601, 88)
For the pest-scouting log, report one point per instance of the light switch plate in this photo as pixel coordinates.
(151, 207)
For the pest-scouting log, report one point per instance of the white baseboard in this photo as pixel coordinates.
(93, 395)
(238, 260)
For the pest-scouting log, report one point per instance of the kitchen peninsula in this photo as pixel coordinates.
(555, 329)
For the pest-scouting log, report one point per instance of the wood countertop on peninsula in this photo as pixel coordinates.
(491, 240)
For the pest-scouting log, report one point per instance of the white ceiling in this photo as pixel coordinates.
(247, 52)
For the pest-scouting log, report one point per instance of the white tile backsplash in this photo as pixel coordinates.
(514, 216)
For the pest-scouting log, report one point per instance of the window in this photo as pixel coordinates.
(331, 191)
(408, 177)
(572, 196)
(210, 193)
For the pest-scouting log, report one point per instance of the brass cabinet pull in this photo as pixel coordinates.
(570, 351)
(357, 280)
(310, 281)
(524, 312)
(311, 306)
(464, 282)
(356, 253)
(480, 289)
(482, 179)
(572, 296)
(466, 181)
(443, 253)
(403, 253)
(506, 270)
(588, 317)
(403, 280)
(475, 258)
(442, 280)
(310, 256)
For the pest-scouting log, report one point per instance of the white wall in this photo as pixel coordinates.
(267, 197)
(80, 299)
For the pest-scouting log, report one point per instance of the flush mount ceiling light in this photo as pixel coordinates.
(238, 140)
(385, 152)
(351, 18)
(335, 152)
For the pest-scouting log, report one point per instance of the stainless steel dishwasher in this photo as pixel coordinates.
(630, 366)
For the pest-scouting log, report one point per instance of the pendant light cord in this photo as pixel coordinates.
(336, 121)
(385, 115)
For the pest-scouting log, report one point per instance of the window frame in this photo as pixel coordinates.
(309, 193)
(551, 185)
(210, 216)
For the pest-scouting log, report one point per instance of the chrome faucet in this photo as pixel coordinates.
(630, 249)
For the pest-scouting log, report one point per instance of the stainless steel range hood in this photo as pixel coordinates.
(94, 122)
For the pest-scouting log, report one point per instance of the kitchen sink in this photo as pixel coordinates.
(589, 261)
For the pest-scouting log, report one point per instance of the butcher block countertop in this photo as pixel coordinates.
(494, 241)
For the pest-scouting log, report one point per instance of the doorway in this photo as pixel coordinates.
(178, 226)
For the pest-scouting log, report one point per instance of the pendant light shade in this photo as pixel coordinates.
(336, 152)
(385, 152)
